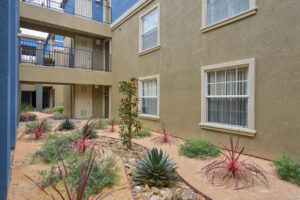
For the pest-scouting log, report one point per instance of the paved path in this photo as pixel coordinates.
(190, 170)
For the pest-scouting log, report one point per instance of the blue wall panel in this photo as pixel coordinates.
(14, 71)
(120, 6)
(98, 10)
(8, 83)
(69, 6)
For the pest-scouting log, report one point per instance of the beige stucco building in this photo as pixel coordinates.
(206, 69)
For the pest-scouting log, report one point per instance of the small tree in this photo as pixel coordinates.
(128, 111)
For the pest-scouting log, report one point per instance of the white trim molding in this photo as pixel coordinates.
(146, 78)
(250, 129)
(207, 27)
(157, 46)
(129, 13)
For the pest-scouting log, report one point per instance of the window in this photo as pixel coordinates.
(149, 29)
(217, 13)
(149, 96)
(229, 95)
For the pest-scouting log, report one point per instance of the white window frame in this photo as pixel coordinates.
(250, 130)
(207, 27)
(147, 78)
(141, 51)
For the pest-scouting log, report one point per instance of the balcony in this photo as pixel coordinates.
(38, 53)
(96, 10)
(57, 18)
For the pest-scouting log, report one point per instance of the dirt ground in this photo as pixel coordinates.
(23, 189)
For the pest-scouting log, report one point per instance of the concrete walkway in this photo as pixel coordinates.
(190, 170)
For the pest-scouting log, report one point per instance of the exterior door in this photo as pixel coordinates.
(106, 101)
(83, 101)
(107, 56)
(83, 8)
(83, 52)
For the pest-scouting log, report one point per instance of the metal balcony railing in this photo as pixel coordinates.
(56, 56)
(97, 10)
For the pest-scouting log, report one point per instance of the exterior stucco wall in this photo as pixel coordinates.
(271, 36)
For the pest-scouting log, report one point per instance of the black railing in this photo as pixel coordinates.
(57, 56)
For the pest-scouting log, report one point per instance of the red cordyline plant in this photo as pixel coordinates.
(83, 143)
(166, 137)
(83, 177)
(38, 131)
(231, 169)
(112, 126)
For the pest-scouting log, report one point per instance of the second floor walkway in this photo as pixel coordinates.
(39, 53)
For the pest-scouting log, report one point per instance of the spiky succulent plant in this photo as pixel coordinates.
(155, 168)
(67, 124)
(92, 133)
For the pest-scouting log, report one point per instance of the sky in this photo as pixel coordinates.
(35, 33)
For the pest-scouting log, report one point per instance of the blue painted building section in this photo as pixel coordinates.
(119, 7)
(59, 41)
(97, 10)
(69, 6)
(14, 71)
(8, 88)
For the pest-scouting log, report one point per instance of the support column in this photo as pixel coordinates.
(8, 84)
(39, 97)
(39, 53)
(14, 71)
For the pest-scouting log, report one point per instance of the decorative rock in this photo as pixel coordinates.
(155, 190)
(147, 188)
(137, 188)
(148, 194)
(163, 193)
(155, 198)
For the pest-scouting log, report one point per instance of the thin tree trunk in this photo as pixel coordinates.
(129, 128)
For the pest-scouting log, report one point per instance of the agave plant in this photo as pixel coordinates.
(231, 169)
(83, 144)
(67, 124)
(155, 168)
(92, 133)
(83, 177)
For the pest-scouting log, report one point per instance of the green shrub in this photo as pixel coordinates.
(48, 110)
(67, 124)
(155, 168)
(287, 168)
(56, 143)
(59, 109)
(26, 108)
(92, 132)
(58, 115)
(198, 148)
(100, 124)
(31, 126)
(145, 132)
(104, 173)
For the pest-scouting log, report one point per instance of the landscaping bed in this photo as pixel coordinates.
(180, 190)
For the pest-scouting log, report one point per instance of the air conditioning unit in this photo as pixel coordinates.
(98, 42)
